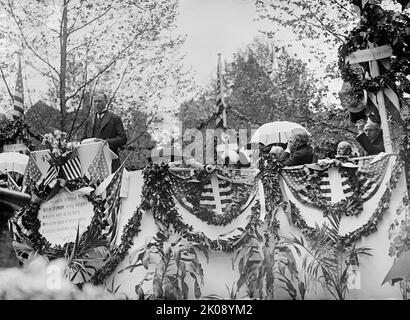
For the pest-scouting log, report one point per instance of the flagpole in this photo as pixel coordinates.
(221, 89)
(18, 98)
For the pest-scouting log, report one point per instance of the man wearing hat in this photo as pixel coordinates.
(106, 126)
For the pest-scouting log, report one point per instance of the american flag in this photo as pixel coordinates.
(98, 169)
(32, 172)
(112, 202)
(371, 176)
(220, 104)
(52, 173)
(11, 183)
(72, 168)
(298, 182)
(18, 96)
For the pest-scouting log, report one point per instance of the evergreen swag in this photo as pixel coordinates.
(365, 230)
(380, 27)
(40, 245)
(157, 196)
(15, 130)
(30, 221)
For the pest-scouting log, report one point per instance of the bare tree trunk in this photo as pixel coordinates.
(63, 64)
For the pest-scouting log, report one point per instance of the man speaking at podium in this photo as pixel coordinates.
(105, 126)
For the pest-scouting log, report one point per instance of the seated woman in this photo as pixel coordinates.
(298, 151)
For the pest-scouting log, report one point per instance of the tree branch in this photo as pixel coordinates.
(113, 60)
(26, 42)
(92, 20)
(5, 82)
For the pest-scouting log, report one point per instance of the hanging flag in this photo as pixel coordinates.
(18, 97)
(11, 183)
(112, 203)
(52, 173)
(72, 168)
(98, 168)
(32, 173)
(298, 183)
(220, 103)
(371, 176)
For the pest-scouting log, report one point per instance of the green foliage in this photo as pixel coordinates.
(73, 47)
(328, 259)
(265, 261)
(168, 259)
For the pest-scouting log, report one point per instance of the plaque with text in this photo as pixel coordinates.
(63, 214)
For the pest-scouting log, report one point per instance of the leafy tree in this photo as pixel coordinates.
(320, 26)
(76, 46)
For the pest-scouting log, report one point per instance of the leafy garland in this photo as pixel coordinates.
(13, 131)
(130, 231)
(380, 27)
(365, 230)
(157, 196)
(30, 220)
(40, 245)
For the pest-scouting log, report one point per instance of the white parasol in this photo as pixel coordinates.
(275, 132)
(13, 161)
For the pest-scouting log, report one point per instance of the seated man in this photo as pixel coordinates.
(277, 151)
(298, 151)
(344, 150)
(370, 137)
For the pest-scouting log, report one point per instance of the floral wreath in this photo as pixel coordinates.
(380, 27)
(29, 223)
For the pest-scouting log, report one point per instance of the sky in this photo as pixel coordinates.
(212, 27)
(224, 26)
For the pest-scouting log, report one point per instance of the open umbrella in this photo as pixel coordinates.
(399, 271)
(275, 132)
(13, 161)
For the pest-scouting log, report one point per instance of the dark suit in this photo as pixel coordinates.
(371, 147)
(304, 154)
(110, 129)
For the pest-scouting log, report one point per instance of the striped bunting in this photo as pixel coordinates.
(371, 176)
(346, 188)
(298, 182)
(18, 97)
(72, 168)
(193, 194)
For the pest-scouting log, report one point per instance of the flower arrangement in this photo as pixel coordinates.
(60, 148)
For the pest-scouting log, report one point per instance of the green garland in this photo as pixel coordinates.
(380, 27)
(130, 231)
(365, 230)
(13, 131)
(157, 196)
(30, 221)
